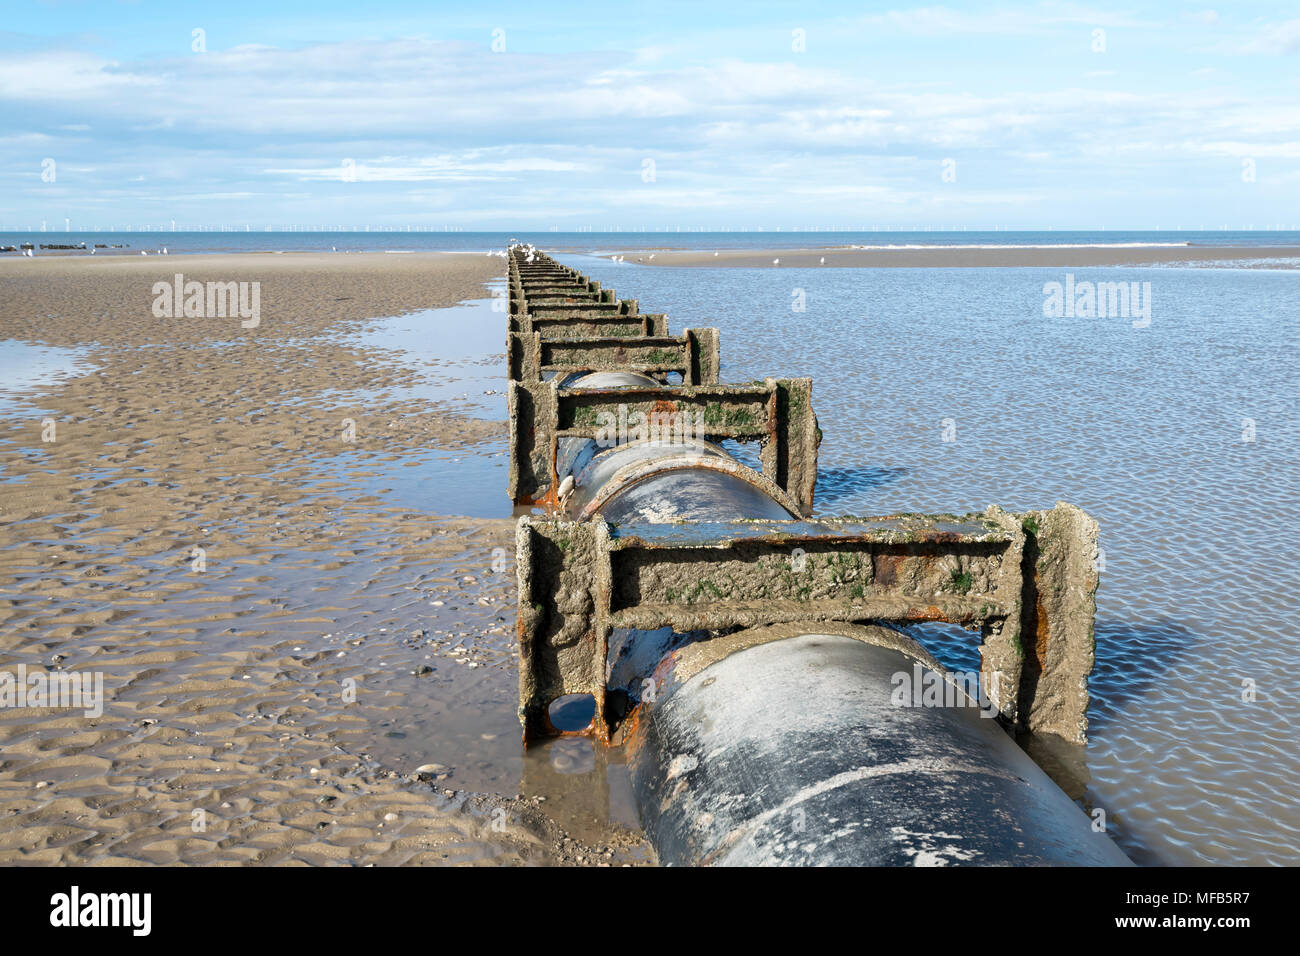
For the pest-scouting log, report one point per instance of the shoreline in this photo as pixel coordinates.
(196, 516)
(966, 257)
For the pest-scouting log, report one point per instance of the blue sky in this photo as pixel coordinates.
(656, 115)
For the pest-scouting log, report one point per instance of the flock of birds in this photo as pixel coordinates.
(531, 250)
(158, 252)
(775, 262)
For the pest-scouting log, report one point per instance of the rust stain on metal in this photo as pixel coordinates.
(1042, 634)
(886, 567)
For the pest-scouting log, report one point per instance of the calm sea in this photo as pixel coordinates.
(1182, 438)
(254, 241)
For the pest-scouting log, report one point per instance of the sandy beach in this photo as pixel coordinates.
(197, 531)
(971, 257)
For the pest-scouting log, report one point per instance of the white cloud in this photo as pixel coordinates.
(1278, 38)
(462, 128)
(1002, 21)
(66, 75)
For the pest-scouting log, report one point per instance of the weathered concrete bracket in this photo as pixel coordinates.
(546, 277)
(574, 297)
(693, 355)
(543, 308)
(606, 325)
(560, 289)
(1060, 606)
(776, 412)
(579, 581)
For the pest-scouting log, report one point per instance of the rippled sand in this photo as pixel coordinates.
(271, 695)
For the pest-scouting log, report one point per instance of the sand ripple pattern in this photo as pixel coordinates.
(274, 705)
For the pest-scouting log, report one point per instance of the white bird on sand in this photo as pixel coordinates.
(715, 255)
(652, 255)
(823, 260)
(776, 262)
(143, 253)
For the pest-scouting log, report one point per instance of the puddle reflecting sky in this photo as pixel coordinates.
(458, 354)
(27, 368)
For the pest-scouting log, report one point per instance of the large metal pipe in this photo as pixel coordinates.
(790, 746)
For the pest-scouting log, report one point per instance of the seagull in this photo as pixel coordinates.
(715, 255)
(143, 253)
(823, 260)
(652, 255)
(776, 262)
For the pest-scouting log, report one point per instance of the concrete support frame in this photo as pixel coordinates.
(777, 413)
(579, 581)
(693, 355)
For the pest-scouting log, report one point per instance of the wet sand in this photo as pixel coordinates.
(200, 532)
(970, 257)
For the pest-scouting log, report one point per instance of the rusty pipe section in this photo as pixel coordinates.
(675, 476)
(792, 744)
(773, 711)
(822, 744)
(587, 375)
